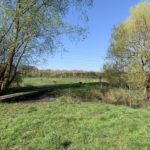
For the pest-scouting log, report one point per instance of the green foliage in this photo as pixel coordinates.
(136, 77)
(17, 81)
(118, 96)
(130, 47)
(29, 71)
(33, 27)
(114, 75)
(73, 127)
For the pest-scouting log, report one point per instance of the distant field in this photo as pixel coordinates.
(37, 81)
(86, 89)
(73, 126)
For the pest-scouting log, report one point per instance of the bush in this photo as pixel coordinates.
(85, 94)
(121, 96)
(114, 75)
(17, 81)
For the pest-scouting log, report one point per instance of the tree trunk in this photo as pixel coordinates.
(5, 80)
(7, 74)
(145, 92)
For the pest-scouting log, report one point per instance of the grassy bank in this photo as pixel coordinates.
(73, 126)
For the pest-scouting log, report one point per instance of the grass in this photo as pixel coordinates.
(85, 89)
(57, 86)
(71, 124)
(62, 125)
(31, 83)
(37, 81)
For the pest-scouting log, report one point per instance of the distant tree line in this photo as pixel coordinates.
(31, 71)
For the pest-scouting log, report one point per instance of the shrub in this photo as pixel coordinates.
(121, 96)
(17, 81)
(85, 95)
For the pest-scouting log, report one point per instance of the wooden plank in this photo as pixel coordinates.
(21, 95)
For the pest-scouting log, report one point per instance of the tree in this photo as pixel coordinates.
(114, 75)
(136, 77)
(33, 26)
(130, 46)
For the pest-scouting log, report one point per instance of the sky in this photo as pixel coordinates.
(90, 54)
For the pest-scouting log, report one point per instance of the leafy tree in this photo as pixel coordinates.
(33, 26)
(114, 75)
(130, 46)
(136, 77)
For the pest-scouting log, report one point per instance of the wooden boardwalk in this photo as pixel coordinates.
(22, 95)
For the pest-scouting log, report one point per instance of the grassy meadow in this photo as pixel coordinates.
(54, 108)
(81, 118)
(68, 124)
(39, 81)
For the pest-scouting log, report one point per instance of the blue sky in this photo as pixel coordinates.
(90, 54)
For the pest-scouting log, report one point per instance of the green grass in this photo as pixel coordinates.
(91, 90)
(73, 126)
(31, 83)
(37, 81)
(70, 87)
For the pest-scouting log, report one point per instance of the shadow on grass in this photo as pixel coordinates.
(80, 90)
(57, 87)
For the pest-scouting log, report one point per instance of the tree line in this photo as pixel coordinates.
(30, 71)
